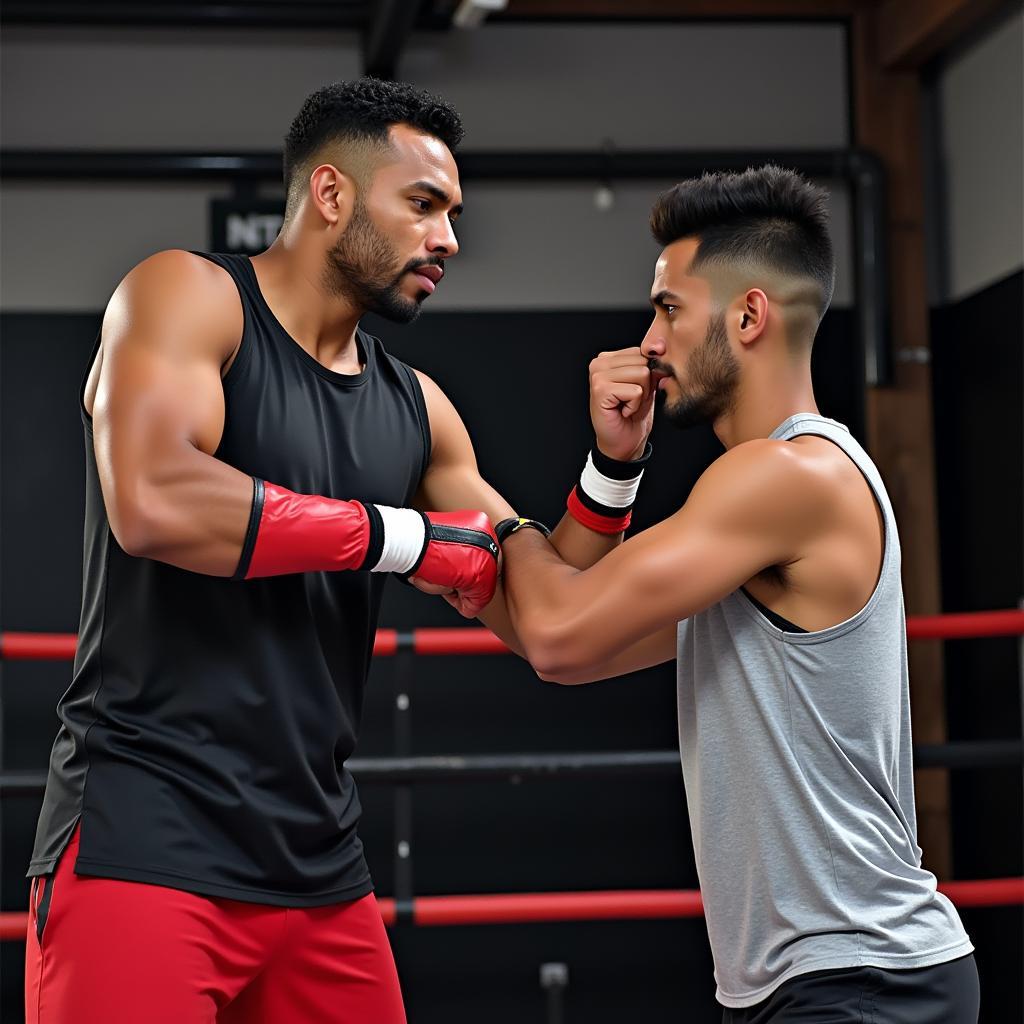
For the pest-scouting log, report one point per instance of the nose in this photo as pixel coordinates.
(653, 345)
(442, 241)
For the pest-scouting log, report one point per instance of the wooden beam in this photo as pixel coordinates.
(759, 9)
(899, 418)
(912, 32)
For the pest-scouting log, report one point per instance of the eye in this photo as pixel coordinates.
(669, 309)
(423, 205)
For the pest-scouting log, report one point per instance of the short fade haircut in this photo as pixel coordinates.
(362, 111)
(766, 217)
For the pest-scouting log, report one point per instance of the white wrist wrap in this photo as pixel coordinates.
(404, 533)
(605, 490)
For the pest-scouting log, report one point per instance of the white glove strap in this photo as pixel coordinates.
(404, 533)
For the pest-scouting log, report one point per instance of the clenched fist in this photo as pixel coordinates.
(621, 402)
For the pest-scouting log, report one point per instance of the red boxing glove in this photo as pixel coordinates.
(291, 533)
(460, 551)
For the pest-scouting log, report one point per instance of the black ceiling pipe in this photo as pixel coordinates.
(613, 764)
(333, 15)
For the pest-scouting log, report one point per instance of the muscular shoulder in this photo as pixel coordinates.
(432, 392)
(765, 482)
(176, 296)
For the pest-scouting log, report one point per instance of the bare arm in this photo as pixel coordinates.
(655, 649)
(453, 481)
(753, 508)
(158, 415)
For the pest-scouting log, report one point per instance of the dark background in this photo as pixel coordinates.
(519, 381)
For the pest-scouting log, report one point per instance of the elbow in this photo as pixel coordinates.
(562, 679)
(134, 526)
(552, 653)
(133, 535)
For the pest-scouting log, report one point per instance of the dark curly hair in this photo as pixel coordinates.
(363, 110)
(766, 216)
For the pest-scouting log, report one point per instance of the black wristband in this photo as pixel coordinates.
(375, 542)
(617, 469)
(509, 526)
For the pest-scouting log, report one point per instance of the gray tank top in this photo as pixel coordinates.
(799, 780)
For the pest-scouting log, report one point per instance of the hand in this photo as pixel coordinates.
(460, 560)
(440, 590)
(621, 403)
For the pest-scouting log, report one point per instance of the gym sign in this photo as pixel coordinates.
(249, 226)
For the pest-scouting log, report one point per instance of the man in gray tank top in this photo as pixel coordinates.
(776, 588)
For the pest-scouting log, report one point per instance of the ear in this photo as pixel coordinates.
(332, 193)
(752, 316)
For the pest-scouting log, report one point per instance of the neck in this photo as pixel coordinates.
(290, 276)
(764, 400)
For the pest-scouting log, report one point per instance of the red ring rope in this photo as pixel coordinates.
(527, 908)
(966, 625)
(534, 907)
(470, 640)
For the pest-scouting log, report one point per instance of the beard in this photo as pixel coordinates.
(713, 377)
(363, 267)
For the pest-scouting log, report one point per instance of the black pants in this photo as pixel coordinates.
(945, 994)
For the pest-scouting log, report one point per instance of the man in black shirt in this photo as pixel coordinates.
(256, 464)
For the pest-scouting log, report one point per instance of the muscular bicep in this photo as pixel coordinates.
(159, 400)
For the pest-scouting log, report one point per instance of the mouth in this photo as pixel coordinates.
(428, 277)
(659, 377)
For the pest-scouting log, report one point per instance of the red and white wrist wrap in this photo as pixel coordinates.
(603, 499)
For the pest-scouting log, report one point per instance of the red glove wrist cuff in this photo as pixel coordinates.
(290, 533)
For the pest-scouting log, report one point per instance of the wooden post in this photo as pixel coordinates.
(899, 418)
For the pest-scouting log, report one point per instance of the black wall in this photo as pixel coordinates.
(519, 381)
(978, 392)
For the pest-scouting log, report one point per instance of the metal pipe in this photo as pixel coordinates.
(403, 771)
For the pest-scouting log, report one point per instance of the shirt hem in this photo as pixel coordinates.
(888, 961)
(201, 887)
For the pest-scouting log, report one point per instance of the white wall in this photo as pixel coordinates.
(699, 86)
(981, 110)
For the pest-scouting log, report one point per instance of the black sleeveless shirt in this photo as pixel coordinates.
(205, 732)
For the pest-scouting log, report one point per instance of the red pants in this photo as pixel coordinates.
(115, 952)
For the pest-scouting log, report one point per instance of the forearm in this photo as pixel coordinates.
(544, 574)
(580, 625)
(599, 510)
(579, 546)
(193, 515)
(537, 589)
(210, 518)
(575, 545)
